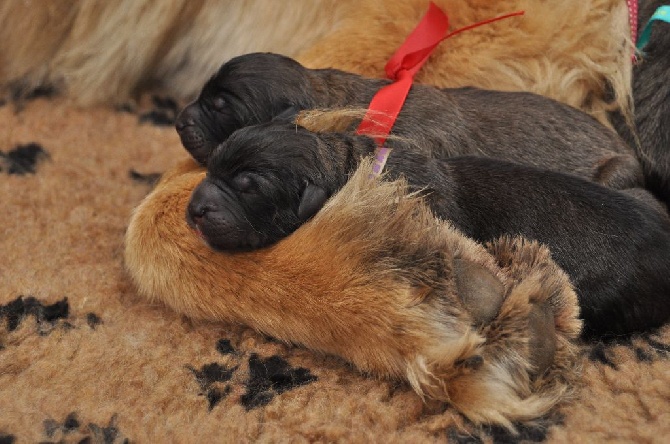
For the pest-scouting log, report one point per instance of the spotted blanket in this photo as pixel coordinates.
(84, 359)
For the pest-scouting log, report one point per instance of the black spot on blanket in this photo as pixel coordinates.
(659, 347)
(645, 347)
(22, 93)
(648, 348)
(164, 113)
(535, 431)
(46, 315)
(223, 346)
(22, 159)
(93, 320)
(598, 353)
(501, 435)
(208, 376)
(42, 91)
(7, 439)
(271, 376)
(69, 425)
(148, 178)
(166, 103)
(71, 422)
(158, 118)
(211, 373)
(91, 433)
(642, 355)
(106, 435)
(125, 108)
(215, 395)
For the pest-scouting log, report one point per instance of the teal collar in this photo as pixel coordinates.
(662, 14)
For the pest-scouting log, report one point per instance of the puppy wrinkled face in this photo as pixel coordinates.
(258, 189)
(205, 122)
(247, 90)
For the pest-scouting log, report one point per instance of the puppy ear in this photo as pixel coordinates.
(312, 199)
(288, 115)
(480, 290)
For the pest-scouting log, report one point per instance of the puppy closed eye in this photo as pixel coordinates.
(245, 183)
(219, 103)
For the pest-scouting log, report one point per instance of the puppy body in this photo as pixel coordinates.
(516, 126)
(613, 245)
(651, 95)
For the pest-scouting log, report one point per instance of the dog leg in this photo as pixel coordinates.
(375, 279)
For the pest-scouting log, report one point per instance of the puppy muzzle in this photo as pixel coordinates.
(218, 220)
(192, 136)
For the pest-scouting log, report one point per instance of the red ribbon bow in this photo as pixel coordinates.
(404, 64)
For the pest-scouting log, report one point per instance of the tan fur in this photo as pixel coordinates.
(104, 51)
(342, 120)
(377, 291)
(543, 52)
(332, 120)
(107, 51)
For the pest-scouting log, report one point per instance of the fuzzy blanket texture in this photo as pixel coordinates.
(84, 359)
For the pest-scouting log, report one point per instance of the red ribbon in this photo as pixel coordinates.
(404, 64)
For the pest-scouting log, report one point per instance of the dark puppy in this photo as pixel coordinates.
(265, 181)
(516, 126)
(651, 95)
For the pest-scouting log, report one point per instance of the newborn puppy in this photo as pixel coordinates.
(265, 181)
(651, 95)
(516, 126)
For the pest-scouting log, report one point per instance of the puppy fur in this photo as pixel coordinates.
(517, 126)
(399, 295)
(651, 95)
(285, 168)
(109, 51)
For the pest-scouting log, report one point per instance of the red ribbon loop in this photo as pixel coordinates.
(421, 42)
(404, 64)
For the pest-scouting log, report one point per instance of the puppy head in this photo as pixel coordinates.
(261, 185)
(247, 90)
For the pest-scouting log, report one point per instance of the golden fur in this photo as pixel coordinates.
(378, 292)
(108, 51)
(543, 52)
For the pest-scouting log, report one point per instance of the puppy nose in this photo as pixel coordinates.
(186, 117)
(183, 121)
(197, 211)
(203, 201)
